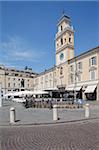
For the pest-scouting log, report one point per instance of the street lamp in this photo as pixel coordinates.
(75, 77)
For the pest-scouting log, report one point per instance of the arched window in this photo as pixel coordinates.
(69, 39)
(61, 41)
(61, 28)
(65, 39)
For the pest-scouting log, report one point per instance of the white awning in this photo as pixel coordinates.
(40, 92)
(24, 93)
(90, 89)
(52, 89)
(69, 88)
(77, 88)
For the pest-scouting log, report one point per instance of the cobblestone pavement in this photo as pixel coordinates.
(70, 136)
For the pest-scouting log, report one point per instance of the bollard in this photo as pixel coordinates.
(55, 113)
(87, 111)
(12, 115)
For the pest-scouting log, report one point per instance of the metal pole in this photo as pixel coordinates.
(0, 97)
(75, 80)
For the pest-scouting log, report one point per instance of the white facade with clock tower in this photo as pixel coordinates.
(64, 40)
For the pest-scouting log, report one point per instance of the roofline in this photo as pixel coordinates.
(13, 69)
(46, 71)
(85, 53)
(82, 54)
(62, 18)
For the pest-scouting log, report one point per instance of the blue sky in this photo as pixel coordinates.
(28, 31)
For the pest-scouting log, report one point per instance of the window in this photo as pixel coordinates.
(92, 74)
(50, 76)
(46, 78)
(61, 56)
(79, 77)
(61, 70)
(13, 84)
(65, 39)
(22, 82)
(92, 61)
(71, 78)
(54, 74)
(61, 28)
(13, 78)
(71, 68)
(79, 65)
(69, 39)
(61, 41)
(8, 84)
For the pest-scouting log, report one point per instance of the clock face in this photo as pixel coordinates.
(61, 56)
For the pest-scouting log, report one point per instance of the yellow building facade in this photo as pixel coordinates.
(71, 74)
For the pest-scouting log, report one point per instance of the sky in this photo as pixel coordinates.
(27, 31)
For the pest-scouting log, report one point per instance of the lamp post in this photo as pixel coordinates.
(0, 97)
(75, 77)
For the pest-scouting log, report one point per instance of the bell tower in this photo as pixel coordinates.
(64, 40)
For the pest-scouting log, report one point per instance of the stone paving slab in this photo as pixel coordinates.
(42, 115)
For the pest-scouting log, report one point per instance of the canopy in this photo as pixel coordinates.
(73, 88)
(10, 94)
(40, 92)
(52, 89)
(20, 100)
(24, 93)
(70, 88)
(77, 88)
(90, 89)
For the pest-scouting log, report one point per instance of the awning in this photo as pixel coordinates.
(52, 89)
(69, 88)
(77, 88)
(24, 93)
(90, 89)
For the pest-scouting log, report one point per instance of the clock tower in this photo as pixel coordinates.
(64, 40)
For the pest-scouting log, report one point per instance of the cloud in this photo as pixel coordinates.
(15, 51)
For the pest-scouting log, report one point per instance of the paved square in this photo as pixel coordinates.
(70, 136)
